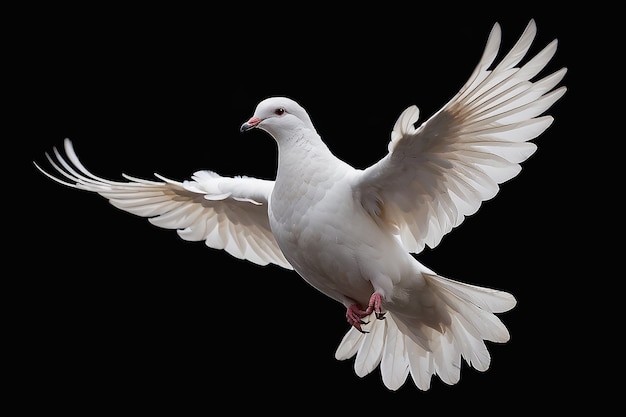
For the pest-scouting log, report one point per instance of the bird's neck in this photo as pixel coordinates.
(303, 154)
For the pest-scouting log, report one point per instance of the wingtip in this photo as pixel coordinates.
(496, 30)
(37, 166)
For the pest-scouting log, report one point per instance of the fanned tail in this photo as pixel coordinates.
(405, 346)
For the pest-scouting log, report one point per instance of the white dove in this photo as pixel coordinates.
(352, 233)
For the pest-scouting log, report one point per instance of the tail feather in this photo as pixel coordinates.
(404, 346)
(421, 364)
(488, 299)
(370, 353)
(479, 323)
(394, 366)
(473, 349)
(448, 359)
(349, 345)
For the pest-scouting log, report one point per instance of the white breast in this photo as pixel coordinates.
(330, 240)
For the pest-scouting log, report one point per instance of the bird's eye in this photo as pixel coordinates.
(280, 111)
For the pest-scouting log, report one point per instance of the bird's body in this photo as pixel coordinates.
(325, 232)
(307, 212)
(352, 233)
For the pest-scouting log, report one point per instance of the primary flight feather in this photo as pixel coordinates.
(351, 233)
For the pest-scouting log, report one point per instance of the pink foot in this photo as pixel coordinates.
(355, 314)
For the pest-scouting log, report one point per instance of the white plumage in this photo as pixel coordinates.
(351, 233)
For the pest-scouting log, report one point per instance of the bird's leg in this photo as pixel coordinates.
(355, 314)
(376, 306)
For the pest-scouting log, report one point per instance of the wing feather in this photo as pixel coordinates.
(226, 213)
(436, 175)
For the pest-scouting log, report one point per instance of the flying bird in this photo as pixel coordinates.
(354, 234)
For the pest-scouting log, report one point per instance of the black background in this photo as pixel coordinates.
(112, 312)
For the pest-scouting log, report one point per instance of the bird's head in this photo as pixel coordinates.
(278, 116)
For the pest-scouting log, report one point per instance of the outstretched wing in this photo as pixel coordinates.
(226, 213)
(437, 174)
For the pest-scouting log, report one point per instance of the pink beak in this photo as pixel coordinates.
(250, 124)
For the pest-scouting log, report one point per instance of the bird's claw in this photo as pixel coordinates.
(355, 314)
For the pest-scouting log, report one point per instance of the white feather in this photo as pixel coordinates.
(394, 366)
(370, 352)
